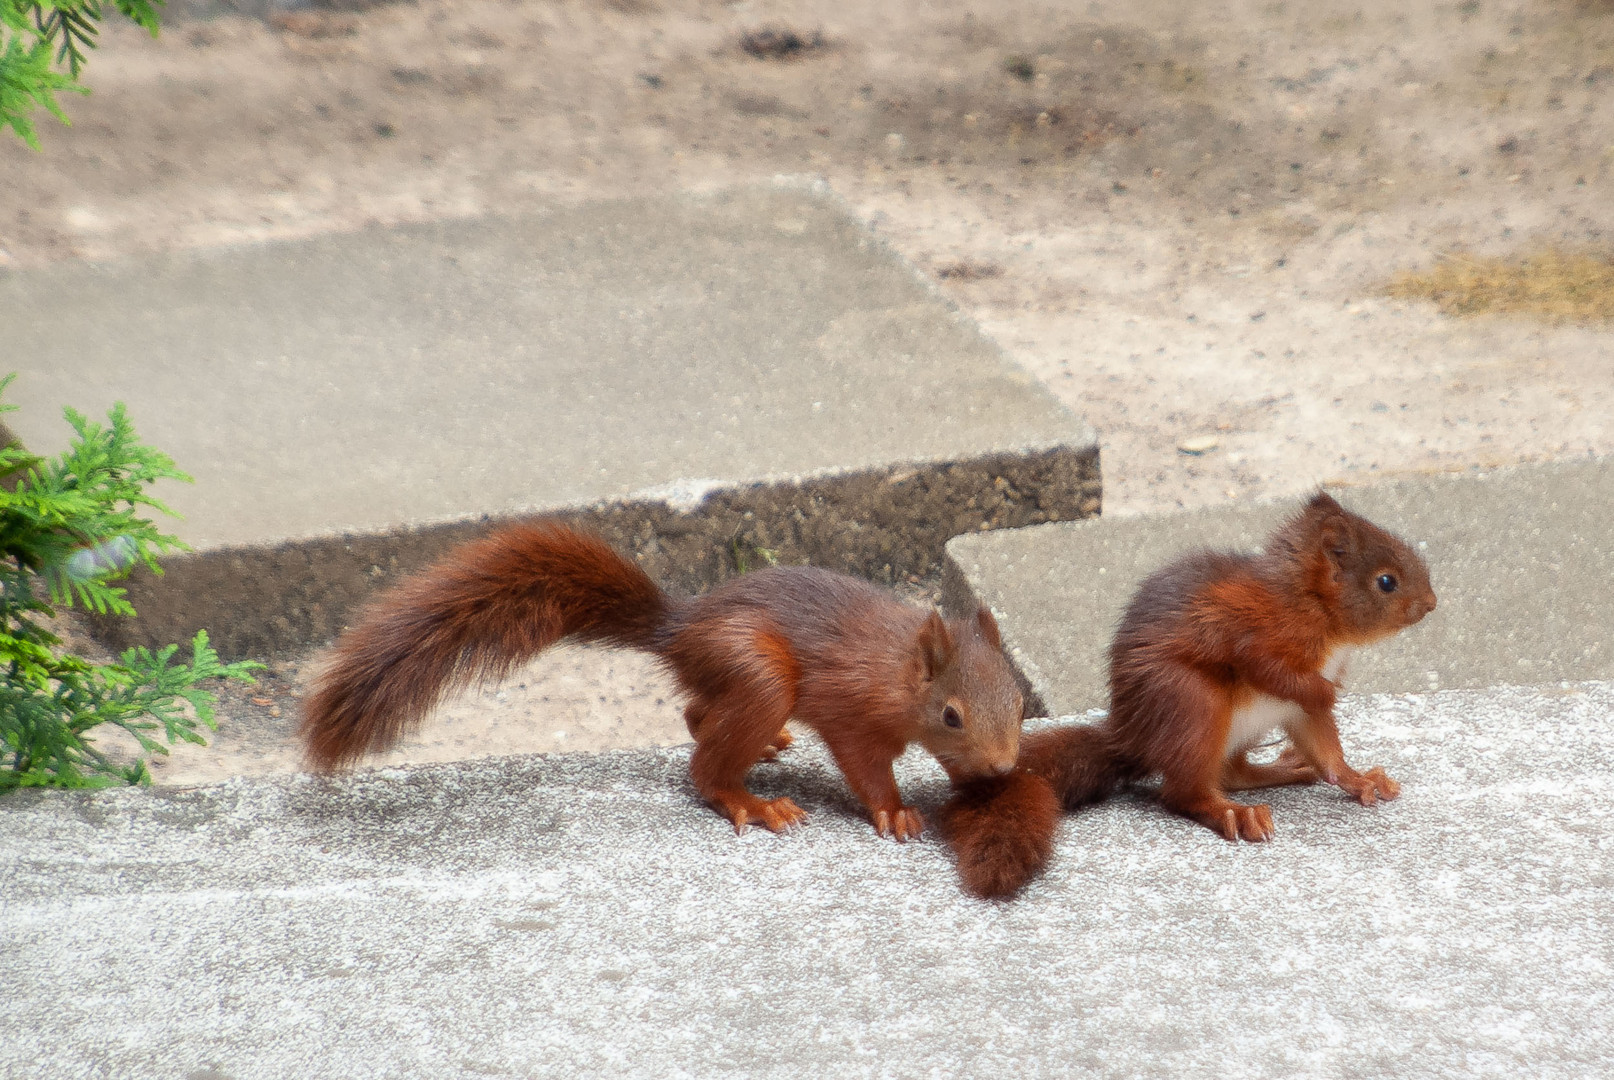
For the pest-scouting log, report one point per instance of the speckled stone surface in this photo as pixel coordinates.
(583, 916)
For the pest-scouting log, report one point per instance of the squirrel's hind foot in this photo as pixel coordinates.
(1297, 766)
(1251, 823)
(1241, 774)
(781, 742)
(743, 808)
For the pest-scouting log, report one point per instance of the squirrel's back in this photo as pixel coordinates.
(1165, 598)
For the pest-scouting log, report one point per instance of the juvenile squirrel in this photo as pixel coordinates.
(1214, 652)
(866, 671)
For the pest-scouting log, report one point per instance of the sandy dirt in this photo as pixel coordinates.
(1183, 218)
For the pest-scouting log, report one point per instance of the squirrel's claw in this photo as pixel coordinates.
(902, 824)
(1370, 787)
(1250, 823)
(781, 815)
(1387, 788)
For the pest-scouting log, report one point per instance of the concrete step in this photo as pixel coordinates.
(1522, 560)
(710, 381)
(583, 915)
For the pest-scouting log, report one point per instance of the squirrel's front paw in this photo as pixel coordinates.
(1371, 787)
(1239, 822)
(901, 824)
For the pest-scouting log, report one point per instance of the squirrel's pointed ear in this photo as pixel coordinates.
(1335, 538)
(988, 627)
(935, 646)
(1323, 504)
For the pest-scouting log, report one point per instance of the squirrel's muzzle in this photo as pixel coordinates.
(1421, 607)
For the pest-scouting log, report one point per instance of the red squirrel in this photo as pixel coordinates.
(1214, 652)
(867, 672)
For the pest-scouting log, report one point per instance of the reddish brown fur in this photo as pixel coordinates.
(1202, 638)
(492, 605)
(1002, 829)
(867, 672)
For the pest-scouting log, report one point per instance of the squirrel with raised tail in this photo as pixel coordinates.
(867, 672)
(1213, 654)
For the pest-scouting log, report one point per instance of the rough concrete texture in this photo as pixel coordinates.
(370, 398)
(884, 523)
(1521, 560)
(583, 915)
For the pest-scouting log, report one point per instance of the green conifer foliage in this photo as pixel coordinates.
(70, 527)
(39, 36)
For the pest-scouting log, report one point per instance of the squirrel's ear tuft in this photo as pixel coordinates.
(1323, 504)
(935, 646)
(988, 627)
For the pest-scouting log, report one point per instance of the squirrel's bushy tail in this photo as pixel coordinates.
(1078, 762)
(488, 607)
(1002, 828)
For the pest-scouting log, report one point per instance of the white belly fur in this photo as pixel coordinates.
(1266, 713)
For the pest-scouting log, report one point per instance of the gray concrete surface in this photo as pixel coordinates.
(351, 405)
(1522, 560)
(578, 915)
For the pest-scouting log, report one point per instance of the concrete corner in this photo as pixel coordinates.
(1521, 559)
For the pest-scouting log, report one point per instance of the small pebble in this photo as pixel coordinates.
(1199, 444)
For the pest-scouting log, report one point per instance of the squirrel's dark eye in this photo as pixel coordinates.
(1387, 583)
(951, 718)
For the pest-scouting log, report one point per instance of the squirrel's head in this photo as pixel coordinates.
(1372, 581)
(970, 705)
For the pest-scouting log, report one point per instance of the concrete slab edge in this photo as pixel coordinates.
(885, 523)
